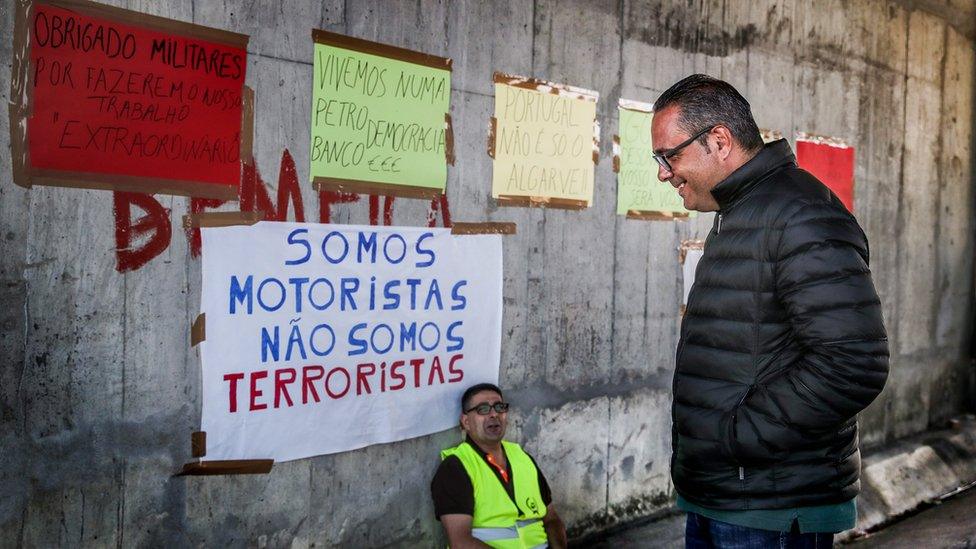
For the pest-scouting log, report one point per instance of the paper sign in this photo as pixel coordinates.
(544, 143)
(639, 191)
(378, 123)
(327, 338)
(691, 252)
(830, 161)
(116, 99)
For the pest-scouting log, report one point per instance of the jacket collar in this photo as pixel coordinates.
(773, 156)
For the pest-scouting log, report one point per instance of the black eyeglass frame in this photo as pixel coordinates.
(499, 407)
(662, 159)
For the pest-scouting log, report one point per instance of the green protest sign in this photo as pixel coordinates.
(638, 189)
(380, 121)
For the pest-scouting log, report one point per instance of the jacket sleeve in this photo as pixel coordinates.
(823, 281)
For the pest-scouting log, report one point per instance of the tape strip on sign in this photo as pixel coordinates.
(374, 188)
(198, 444)
(542, 202)
(227, 467)
(449, 139)
(483, 228)
(492, 129)
(198, 332)
(247, 124)
(382, 50)
(220, 219)
(656, 216)
(616, 154)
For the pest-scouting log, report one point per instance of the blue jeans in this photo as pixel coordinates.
(705, 533)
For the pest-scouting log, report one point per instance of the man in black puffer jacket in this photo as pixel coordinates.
(782, 343)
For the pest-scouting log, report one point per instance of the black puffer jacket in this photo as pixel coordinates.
(782, 344)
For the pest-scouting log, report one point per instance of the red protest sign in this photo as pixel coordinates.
(113, 99)
(831, 163)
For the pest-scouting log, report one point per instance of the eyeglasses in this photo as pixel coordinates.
(484, 408)
(663, 156)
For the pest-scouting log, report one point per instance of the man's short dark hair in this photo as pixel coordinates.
(475, 389)
(705, 101)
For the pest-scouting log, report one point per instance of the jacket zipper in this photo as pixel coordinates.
(719, 229)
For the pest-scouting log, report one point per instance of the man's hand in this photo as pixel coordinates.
(458, 530)
(555, 529)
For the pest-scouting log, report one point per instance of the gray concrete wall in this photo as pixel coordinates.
(99, 390)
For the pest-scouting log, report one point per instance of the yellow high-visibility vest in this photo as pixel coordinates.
(496, 520)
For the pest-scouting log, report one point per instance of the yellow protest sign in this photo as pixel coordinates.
(545, 143)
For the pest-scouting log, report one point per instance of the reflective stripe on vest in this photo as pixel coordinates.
(497, 520)
(495, 534)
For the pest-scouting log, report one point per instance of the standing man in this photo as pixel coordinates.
(488, 492)
(782, 343)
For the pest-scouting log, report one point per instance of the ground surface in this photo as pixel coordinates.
(951, 524)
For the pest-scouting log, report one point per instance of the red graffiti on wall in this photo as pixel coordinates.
(154, 225)
(254, 192)
(254, 196)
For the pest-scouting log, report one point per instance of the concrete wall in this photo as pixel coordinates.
(99, 390)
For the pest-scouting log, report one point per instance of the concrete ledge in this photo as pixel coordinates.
(900, 477)
(895, 479)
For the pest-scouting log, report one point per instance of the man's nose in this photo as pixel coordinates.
(663, 174)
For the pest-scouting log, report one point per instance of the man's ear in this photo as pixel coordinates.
(723, 142)
(464, 422)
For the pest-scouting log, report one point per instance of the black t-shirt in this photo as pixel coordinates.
(453, 492)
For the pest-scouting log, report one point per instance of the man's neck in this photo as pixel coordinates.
(495, 450)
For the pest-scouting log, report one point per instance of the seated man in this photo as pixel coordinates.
(488, 492)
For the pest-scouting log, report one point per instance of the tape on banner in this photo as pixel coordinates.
(247, 124)
(383, 50)
(198, 332)
(542, 202)
(483, 228)
(544, 86)
(656, 216)
(220, 219)
(129, 183)
(198, 444)
(374, 188)
(226, 467)
(822, 140)
(448, 139)
(492, 129)
(18, 109)
(632, 105)
(616, 154)
(596, 141)
(689, 245)
(769, 136)
(138, 19)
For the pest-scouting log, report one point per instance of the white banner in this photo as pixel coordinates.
(327, 338)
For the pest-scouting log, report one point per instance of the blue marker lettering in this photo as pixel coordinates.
(367, 244)
(269, 343)
(348, 287)
(459, 300)
(242, 295)
(281, 289)
(359, 345)
(403, 249)
(425, 251)
(292, 239)
(457, 342)
(325, 247)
